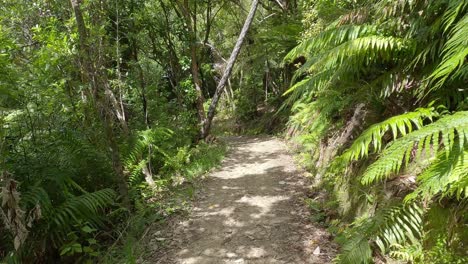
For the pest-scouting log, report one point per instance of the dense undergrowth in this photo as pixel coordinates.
(378, 114)
(98, 127)
(100, 117)
(168, 200)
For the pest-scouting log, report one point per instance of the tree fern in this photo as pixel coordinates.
(451, 129)
(400, 224)
(398, 125)
(446, 176)
(360, 51)
(455, 51)
(394, 225)
(409, 53)
(329, 38)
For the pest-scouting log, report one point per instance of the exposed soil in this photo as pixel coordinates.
(250, 211)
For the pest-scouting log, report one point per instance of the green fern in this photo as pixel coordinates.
(400, 224)
(356, 250)
(77, 209)
(329, 38)
(408, 253)
(451, 129)
(446, 176)
(398, 125)
(394, 225)
(410, 53)
(360, 51)
(455, 51)
(144, 149)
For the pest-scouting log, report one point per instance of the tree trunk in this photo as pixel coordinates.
(191, 21)
(99, 84)
(227, 72)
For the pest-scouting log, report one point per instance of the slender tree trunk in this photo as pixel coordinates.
(99, 83)
(191, 21)
(141, 76)
(227, 72)
(198, 84)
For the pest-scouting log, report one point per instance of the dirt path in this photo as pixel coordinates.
(250, 211)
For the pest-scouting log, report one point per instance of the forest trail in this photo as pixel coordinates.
(249, 211)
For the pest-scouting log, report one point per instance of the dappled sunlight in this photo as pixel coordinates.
(249, 211)
(265, 203)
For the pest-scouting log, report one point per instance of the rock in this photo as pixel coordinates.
(316, 251)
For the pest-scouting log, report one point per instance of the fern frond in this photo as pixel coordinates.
(454, 9)
(356, 250)
(445, 176)
(360, 51)
(355, 16)
(388, 9)
(400, 224)
(37, 195)
(406, 253)
(79, 208)
(451, 129)
(455, 52)
(398, 125)
(392, 82)
(147, 139)
(308, 87)
(330, 38)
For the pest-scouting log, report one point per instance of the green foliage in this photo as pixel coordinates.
(448, 131)
(455, 49)
(390, 228)
(393, 57)
(171, 200)
(83, 109)
(446, 176)
(398, 125)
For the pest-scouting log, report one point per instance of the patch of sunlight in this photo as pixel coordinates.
(191, 260)
(265, 203)
(227, 212)
(231, 222)
(256, 252)
(242, 170)
(231, 188)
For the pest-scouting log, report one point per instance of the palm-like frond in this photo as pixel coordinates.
(451, 129)
(455, 51)
(79, 208)
(308, 87)
(329, 38)
(398, 125)
(394, 225)
(356, 250)
(445, 176)
(388, 9)
(401, 223)
(360, 51)
(453, 11)
(37, 196)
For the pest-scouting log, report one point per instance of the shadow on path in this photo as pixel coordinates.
(250, 211)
